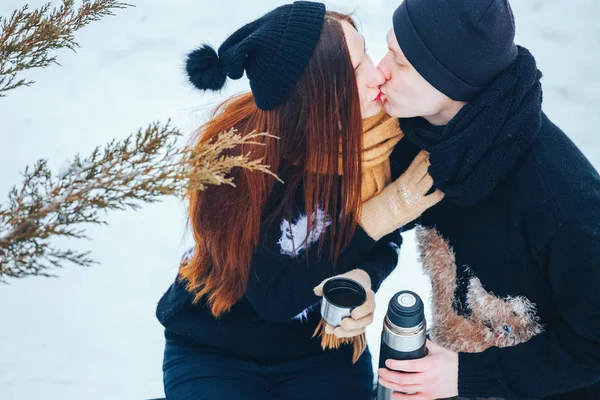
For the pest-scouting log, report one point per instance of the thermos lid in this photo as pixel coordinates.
(344, 293)
(406, 309)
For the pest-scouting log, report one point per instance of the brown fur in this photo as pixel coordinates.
(485, 327)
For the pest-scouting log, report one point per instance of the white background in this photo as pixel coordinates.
(91, 333)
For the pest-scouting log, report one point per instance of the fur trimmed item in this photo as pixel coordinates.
(494, 321)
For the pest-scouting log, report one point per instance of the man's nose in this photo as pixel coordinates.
(383, 68)
(380, 78)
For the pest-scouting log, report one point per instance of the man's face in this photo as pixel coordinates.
(406, 93)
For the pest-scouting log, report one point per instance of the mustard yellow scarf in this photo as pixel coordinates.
(380, 134)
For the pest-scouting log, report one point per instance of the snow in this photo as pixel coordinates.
(91, 333)
(64, 169)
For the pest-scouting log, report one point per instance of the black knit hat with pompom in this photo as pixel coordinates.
(274, 51)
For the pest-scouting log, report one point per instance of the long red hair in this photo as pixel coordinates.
(321, 112)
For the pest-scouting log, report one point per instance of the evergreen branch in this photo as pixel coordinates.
(142, 168)
(27, 38)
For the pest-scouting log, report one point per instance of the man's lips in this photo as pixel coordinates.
(378, 97)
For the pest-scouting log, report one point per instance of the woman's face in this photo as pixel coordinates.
(368, 78)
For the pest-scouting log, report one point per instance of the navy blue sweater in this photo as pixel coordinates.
(522, 216)
(276, 318)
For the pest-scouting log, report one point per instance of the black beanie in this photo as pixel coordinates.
(274, 50)
(458, 46)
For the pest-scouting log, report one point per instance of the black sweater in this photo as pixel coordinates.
(276, 318)
(535, 234)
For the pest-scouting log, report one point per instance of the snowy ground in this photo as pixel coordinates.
(91, 334)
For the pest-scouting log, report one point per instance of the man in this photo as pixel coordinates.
(514, 248)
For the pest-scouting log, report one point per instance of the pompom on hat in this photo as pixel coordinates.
(273, 50)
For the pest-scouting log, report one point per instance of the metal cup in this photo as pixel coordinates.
(340, 297)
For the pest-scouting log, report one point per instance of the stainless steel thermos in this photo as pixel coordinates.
(404, 333)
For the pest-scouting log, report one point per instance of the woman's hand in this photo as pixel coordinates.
(362, 316)
(402, 201)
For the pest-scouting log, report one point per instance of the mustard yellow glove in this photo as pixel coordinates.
(402, 201)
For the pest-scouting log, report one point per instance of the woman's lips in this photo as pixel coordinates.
(378, 97)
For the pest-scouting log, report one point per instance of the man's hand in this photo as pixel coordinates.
(432, 377)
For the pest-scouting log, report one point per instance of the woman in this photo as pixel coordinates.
(240, 316)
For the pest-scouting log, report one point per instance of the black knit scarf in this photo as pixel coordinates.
(482, 144)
